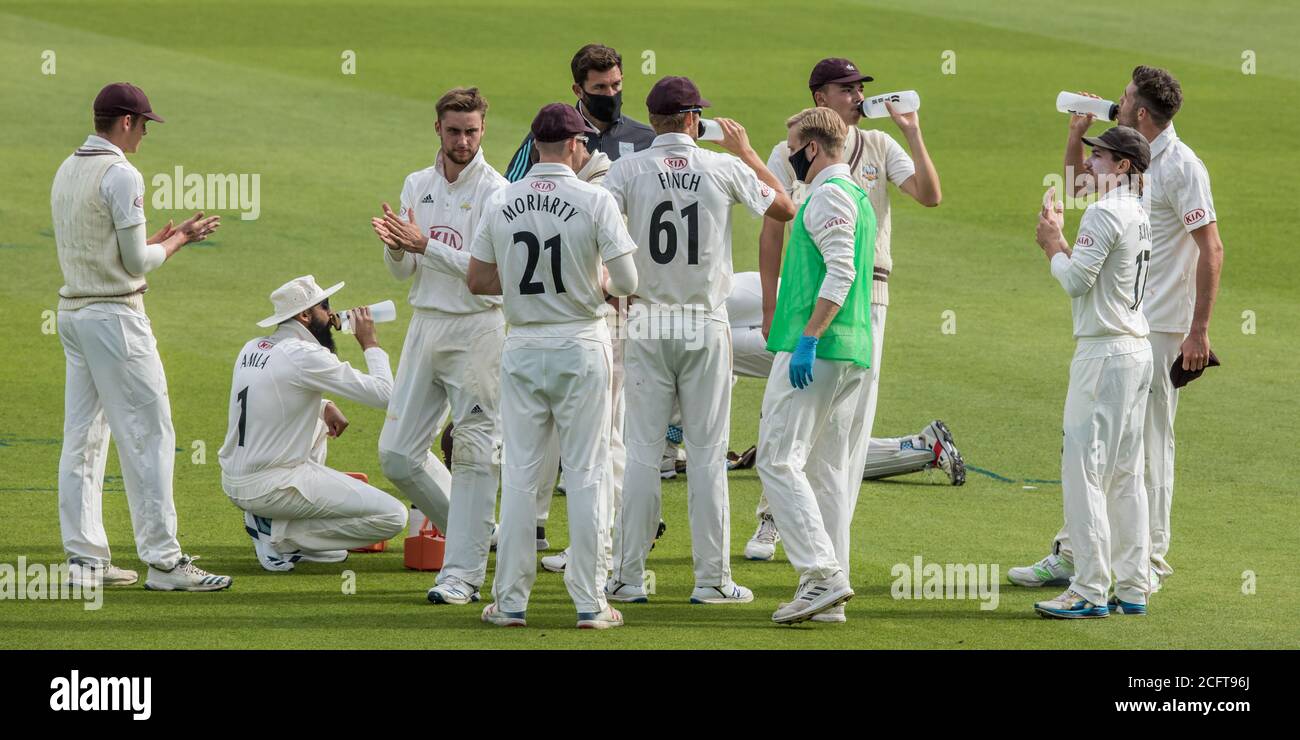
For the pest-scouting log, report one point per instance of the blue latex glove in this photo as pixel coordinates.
(801, 364)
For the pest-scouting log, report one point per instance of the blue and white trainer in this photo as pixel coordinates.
(1070, 605)
(1115, 605)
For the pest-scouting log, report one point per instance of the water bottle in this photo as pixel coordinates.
(710, 130)
(903, 102)
(379, 312)
(1082, 105)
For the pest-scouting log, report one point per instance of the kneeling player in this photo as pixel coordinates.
(273, 460)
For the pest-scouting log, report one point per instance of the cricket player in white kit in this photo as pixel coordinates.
(816, 421)
(874, 159)
(273, 460)
(1186, 260)
(678, 200)
(1110, 378)
(451, 359)
(541, 246)
(115, 381)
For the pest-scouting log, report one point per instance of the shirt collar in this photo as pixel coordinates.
(1162, 142)
(551, 169)
(1119, 191)
(838, 169)
(98, 142)
(294, 330)
(674, 139)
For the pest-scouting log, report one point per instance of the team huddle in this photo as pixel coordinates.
(578, 320)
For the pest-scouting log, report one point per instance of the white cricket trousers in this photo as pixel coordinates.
(1101, 468)
(561, 383)
(313, 507)
(812, 445)
(115, 384)
(617, 451)
(693, 368)
(883, 454)
(1158, 445)
(449, 362)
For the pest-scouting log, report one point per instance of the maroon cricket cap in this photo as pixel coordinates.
(1126, 141)
(835, 70)
(121, 98)
(557, 122)
(672, 95)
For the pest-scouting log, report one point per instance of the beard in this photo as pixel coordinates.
(1130, 120)
(324, 334)
(459, 157)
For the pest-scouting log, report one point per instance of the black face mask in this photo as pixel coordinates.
(801, 163)
(324, 333)
(603, 107)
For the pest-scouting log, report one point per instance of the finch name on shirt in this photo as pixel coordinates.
(679, 181)
(551, 204)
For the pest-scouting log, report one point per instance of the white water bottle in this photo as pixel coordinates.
(903, 102)
(379, 312)
(710, 130)
(1083, 105)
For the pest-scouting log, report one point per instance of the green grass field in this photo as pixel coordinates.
(256, 87)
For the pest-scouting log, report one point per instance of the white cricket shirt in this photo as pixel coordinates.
(1180, 203)
(449, 213)
(678, 200)
(276, 398)
(548, 234)
(1107, 271)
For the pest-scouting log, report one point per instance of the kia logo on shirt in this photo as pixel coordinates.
(676, 163)
(265, 344)
(1083, 241)
(1193, 216)
(446, 235)
(542, 186)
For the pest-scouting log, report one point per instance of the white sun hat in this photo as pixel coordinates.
(294, 297)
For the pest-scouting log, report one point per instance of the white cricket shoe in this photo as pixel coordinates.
(834, 615)
(185, 576)
(762, 546)
(493, 615)
(322, 556)
(556, 563)
(946, 456)
(625, 592)
(603, 620)
(94, 574)
(259, 529)
(1052, 570)
(453, 591)
(813, 597)
(1156, 581)
(728, 594)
